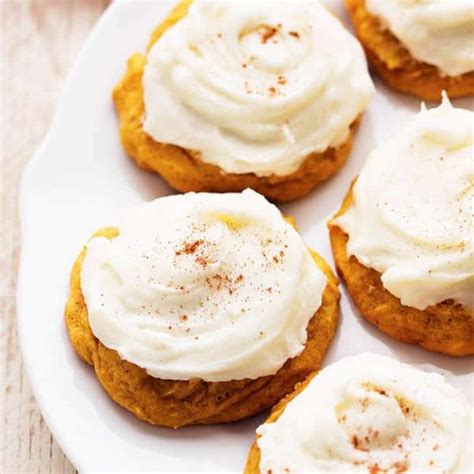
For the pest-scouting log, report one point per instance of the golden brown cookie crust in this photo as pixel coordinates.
(178, 403)
(183, 169)
(446, 327)
(397, 67)
(253, 459)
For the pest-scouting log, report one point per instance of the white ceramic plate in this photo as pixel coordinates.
(77, 182)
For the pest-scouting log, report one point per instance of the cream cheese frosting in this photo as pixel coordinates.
(255, 86)
(438, 32)
(370, 414)
(411, 218)
(212, 286)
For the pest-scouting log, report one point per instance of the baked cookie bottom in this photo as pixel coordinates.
(178, 403)
(184, 170)
(252, 465)
(397, 67)
(446, 327)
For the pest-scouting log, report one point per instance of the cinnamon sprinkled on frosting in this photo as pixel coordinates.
(243, 96)
(267, 33)
(370, 414)
(194, 275)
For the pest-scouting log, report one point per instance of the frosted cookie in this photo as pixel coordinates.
(421, 47)
(232, 95)
(403, 238)
(201, 308)
(367, 414)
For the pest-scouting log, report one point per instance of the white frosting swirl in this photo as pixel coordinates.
(212, 286)
(438, 32)
(412, 212)
(255, 86)
(370, 413)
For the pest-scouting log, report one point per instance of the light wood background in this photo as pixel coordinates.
(39, 40)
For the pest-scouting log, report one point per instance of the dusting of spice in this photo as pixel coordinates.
(404, 406)
(189, 247)
(201, 260)
(268, 32)
(190, 269)
(374, 469)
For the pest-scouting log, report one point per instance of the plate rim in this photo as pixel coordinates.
(23, 196)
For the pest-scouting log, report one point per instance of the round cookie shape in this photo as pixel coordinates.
(260, 94)
(191, 277)
(174, 335)
(418, 47)
(366, 413)
(402, 240)
(214, 110)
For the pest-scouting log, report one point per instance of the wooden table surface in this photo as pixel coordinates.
(39, 41)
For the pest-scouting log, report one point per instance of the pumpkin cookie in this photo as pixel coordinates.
(402, 240)
(366, 414)
(201, 308)
(419, 47)
(233, 95)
